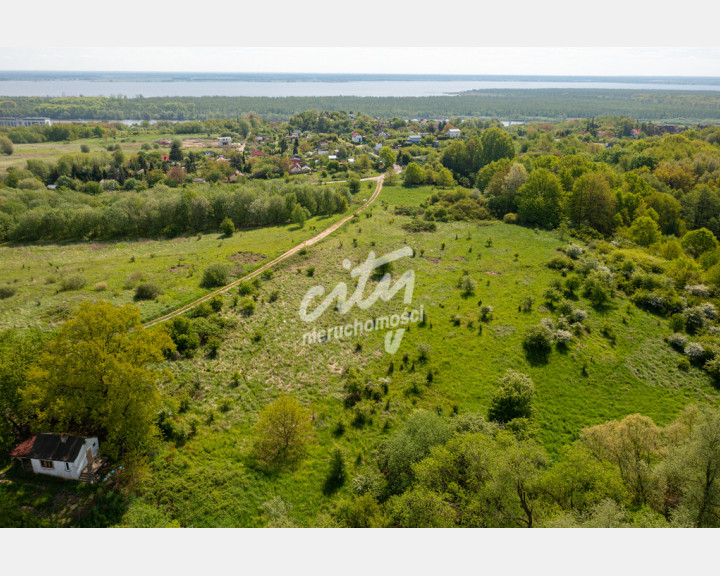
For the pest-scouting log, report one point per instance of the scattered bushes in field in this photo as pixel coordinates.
(147, 291)
(560, 262)
(663, 302)
(598, 288)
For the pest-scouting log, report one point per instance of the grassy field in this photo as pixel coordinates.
(51, 151)
(212, 479)
(112, 270)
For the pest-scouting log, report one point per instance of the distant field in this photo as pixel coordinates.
(51, 151)
(113, 269)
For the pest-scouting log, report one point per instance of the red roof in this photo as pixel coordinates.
(23, 449)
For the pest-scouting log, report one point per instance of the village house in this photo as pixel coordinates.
(59, 455)
(414, 139)
(453, 133)
(357, 138)
(224, 141)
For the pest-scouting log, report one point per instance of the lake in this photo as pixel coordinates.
(279, 88)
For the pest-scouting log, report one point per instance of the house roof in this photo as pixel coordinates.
(62, 448)
(23, 449)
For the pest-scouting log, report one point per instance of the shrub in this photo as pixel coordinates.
(695, 319)
(512, 399)
(310, 272)
(467, 285)
(423, 351)
(100, 287)
(213, 345)
(73, 283)
(147, 291)
(247, 306)
(694, 352)
(486, 312)
(7, 292)
(527, 303)
(573, 251)
(248, 287)
(336, 475)
(416, 225)
(227, 227)
(202, 310)
(598, 288)
(659, 302)
(510, 218)
(683, 364)
(712, 367)
(216, 303)
(537, 342)
(559, 262)
(283, 432)
(678, 341)
(563, 337)
(699, 290)
(215, 275)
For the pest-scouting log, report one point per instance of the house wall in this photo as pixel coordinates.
(60, 471)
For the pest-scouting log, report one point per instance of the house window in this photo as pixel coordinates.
(67, 467)
(47, 464)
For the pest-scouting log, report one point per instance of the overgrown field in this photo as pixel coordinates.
(211, 478)
(52, 279)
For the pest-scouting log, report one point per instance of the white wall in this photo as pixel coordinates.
(60, 470)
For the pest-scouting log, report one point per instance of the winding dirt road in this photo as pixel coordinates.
(329, 230)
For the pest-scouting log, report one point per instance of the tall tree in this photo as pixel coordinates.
(540, 199)
(96, 376)
(496, 144)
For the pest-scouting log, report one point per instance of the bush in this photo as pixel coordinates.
(283, 432)
(695, 319)
(598, 288)
(7, 292)
(560, 262)
(215, 275)
(694, 352)
(147, 291)
(227, 227)
(73, 283)
(100, 287)
(416, 225)
(467, 285)
(512, 399)
(510, 218)
(573, 251)
(537, 343)
(563, 337)
(216, 303)
(678, 341)
(248, 287)
(336, 475)
(659, 302)
(486, 312)
(247, 306)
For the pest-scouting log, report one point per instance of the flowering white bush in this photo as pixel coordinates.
(698, 290)
(563, 336)
(573, 250)
(709, 310)
(548, 323)
(578, 315)
(678, 341)
(694, 351)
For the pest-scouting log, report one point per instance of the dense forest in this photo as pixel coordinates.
(659, 105)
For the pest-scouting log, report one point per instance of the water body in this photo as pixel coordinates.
(131, 85)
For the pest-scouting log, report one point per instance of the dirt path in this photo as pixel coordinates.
(329, 230)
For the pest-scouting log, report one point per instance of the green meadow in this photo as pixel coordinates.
(212, 479)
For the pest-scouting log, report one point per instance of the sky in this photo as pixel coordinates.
(587, 61)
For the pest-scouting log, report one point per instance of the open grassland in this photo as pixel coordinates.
(208, 476)
(212, 478)
(52, 151)
(112, 270)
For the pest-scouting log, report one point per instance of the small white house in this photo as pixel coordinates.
(224, 141)
(357, 138)
(57, 455)
(453, 132)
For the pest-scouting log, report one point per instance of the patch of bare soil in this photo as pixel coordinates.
(247, 257)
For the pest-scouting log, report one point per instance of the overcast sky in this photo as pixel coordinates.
(543, 61)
